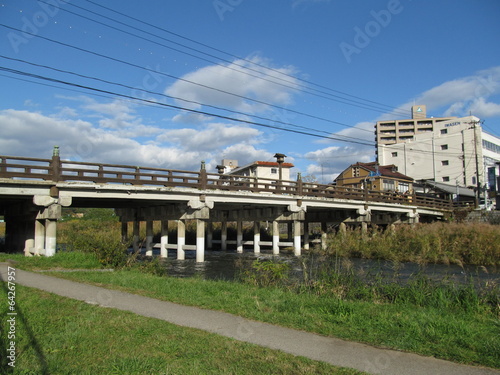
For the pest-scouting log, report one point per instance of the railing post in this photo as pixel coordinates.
(299, 184)
(3, 166)
(203, 176)
(55, 164)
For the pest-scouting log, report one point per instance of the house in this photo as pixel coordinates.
(260, 169)
(373, 176)
(441, 190)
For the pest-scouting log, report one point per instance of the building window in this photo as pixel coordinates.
(394, 154)
(446, 179)
(388, 185)
(445, 162)
(403, 187)
(444, 147)
(274, 171)
(444, 131)
(355, 172)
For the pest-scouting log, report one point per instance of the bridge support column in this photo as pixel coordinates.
(181, 239)
(296, 238)
(164, 239)
(223, 236)
(39, 237)
(324, 230)
(50, 237)
(136, 230)
(124, 232)
(276, 237)
(200, 240)
(306, 235)
(210, 235)
(239, 236)
(149, 238)
(256, 237)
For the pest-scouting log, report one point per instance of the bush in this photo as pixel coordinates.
(102, 238)
(266, 273)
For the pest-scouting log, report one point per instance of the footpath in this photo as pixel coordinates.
(327, 349)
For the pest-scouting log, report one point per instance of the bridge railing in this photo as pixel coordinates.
(57, 170)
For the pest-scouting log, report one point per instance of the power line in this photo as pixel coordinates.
(181, 79)
(294, 85)
(393, 109)
(169, 96)
(18, 72)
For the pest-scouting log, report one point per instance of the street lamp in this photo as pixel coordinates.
(280, 158)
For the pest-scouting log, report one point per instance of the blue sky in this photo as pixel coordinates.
(329, 69)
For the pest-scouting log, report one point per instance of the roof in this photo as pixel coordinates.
(384, 170)
(263, 164)
(450, 189)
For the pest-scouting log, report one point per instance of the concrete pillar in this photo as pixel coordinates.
(324, 230)
(200, 240)
(29, 246)
(342, 228)
(136, 230)
(124, 232)
(256, 237)
(364, 229)
(164, 239)
(149, 238)
(239, 236)
(276, 237)
(181, 239)
(210, 235)
(289, 227)
(306, 235)
(223, 236)
(39, 237)
(296, 238)
(50, 237)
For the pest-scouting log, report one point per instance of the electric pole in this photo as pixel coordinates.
(478, 183)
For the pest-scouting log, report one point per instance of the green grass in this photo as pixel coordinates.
(463, 335)
(56, 335)
(63, 260)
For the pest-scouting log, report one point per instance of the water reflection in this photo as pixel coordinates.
(222, 265)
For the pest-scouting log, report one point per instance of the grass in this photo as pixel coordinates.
(443, 320)
(56, 335)
(453, 333)
(447, 243)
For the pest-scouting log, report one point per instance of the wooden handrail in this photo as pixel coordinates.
(57, 170)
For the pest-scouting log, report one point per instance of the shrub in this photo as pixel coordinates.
(102, 238)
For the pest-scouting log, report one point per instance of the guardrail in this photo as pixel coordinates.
(57, 170)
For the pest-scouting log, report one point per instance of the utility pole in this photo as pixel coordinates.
(478, 184)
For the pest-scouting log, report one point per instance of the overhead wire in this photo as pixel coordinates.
(169, 96)
(54, 80)
(290, 85)
(182, 79)
(391, 108)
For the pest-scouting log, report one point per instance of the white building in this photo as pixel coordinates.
(455, 151)
(260, 169)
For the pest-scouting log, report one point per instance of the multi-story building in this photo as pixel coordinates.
(399, 131)
(455, 151)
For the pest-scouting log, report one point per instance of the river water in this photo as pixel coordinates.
(223, 265)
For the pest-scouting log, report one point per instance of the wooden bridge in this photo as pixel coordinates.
(33, 192)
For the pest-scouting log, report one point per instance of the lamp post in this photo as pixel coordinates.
(280, 158)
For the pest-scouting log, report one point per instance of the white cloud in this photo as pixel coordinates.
(34, 135)
(214, 83)
(457, 97)
(212, 137)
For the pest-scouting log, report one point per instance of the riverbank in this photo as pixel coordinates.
(432, 320)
